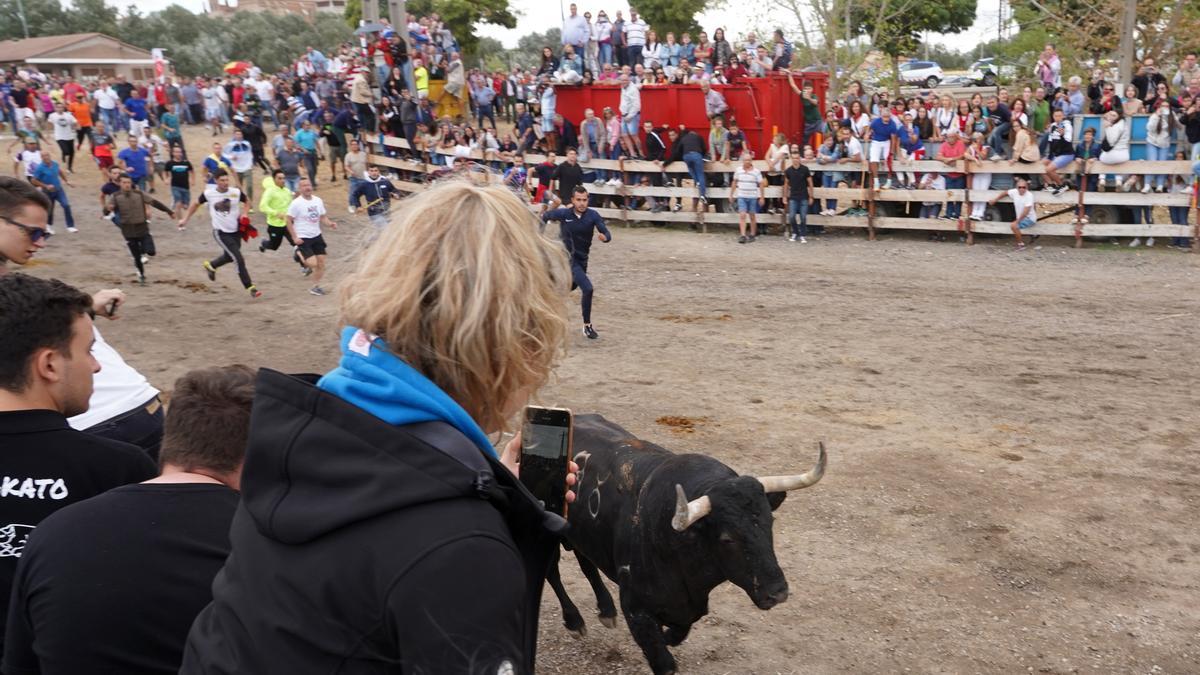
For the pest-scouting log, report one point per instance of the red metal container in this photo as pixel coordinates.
(762, 106)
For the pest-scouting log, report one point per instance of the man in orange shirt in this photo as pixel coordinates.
(82, 110)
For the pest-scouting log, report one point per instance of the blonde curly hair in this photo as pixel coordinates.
(462, 286)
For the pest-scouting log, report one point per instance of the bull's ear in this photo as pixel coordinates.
(775, 499)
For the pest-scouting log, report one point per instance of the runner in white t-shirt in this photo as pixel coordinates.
(64, 124)
(227, 207)
(304, 219)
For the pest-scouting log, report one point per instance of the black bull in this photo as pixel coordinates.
(633, 520)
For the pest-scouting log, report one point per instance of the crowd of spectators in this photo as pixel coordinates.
(382, 85)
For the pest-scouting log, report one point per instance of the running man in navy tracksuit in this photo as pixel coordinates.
(578, 223)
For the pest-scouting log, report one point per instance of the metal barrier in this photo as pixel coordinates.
(895, 205)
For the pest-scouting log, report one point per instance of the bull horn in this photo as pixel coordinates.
(687, 513)
(806, 479)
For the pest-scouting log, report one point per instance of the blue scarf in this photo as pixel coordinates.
(379, 382)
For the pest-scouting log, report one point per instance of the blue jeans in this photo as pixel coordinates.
(633, 55)
(1155, 153)
(605, 52)
(695, 167)
(954, 208)
(747, 204)
(1179, 216)
(60, 196)
(142, 426)
(996, 139)
(486, 110)
(354, 183)
(110, 119)
(292, 183)
(1142, 214)
(827, 180)
(798, 206)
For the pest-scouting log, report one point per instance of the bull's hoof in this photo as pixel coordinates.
(609, 621)
(578, 633)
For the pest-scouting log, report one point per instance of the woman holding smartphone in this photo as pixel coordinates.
(378, 531)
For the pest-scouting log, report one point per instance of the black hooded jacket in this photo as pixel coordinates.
(363, 547)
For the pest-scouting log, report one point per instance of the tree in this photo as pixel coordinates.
(461, 16)
(528, 53)
(44, 17)
(895, 27)
(676, 16)
(1090, 30)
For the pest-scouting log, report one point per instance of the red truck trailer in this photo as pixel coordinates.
(762, 106)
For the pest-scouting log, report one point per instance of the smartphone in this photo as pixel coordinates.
(545, 454)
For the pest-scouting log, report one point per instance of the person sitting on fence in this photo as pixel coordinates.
(931, 208)
(570, 68)
(1114, 144)
(1023, 207)
(1061, 154)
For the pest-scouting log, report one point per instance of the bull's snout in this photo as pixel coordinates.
(772, 596)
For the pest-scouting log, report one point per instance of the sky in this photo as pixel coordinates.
(535, 16)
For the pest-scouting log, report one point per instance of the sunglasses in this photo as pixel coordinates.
(35, 234)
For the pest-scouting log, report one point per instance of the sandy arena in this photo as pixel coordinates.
(1014, 468)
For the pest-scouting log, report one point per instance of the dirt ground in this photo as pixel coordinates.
(1013, 475)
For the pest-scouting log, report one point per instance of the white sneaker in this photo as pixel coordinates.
(791, 237)
(72, 230)
(352, 209)
(145, 258)
(1135, 243)
(1146, 189)
(803, 240)
(1149, 242)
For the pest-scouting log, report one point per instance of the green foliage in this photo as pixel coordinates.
(528, 53)
(899, 32)
(462, 15)
(671, 15)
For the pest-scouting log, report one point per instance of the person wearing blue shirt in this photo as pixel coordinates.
(378, 191)
(135, 161)
(306, 139)
(49, 177)
(525, 133)
(578, 224)
(1001, 118)
(214, 162)
(135, 109)
(885, 133)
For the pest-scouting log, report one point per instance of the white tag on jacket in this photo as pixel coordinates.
(361, 342)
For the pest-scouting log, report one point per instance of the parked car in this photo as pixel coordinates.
(985, 72)
(922, 73)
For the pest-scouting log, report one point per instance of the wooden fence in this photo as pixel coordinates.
(885, 209)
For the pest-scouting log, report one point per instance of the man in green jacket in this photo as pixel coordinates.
(274, 203)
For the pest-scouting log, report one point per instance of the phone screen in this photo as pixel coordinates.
(545, 451)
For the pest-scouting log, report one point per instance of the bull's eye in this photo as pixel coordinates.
(727, 540)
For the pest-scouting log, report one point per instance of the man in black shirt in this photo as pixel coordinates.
(568, 174)
(688, 147)
(182, 173)
(797, 185)
(656, 151)
(46, 369)
(578, 224)
(150, 549)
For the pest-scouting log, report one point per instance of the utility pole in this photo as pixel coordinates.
(370, 11)
(398, 14)
(1128, 23)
